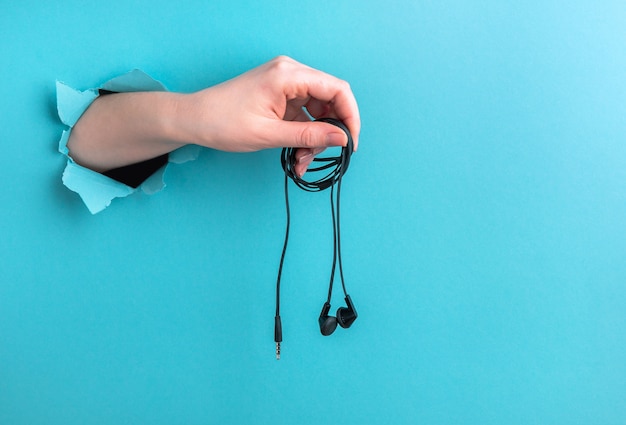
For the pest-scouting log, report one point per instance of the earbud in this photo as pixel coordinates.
(345, 317)
(328, 324)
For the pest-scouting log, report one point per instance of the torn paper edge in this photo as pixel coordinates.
(95, 189)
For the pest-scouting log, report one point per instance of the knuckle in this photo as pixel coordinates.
(306, 138)
(282, 58)
(280, 63)
(345, 86)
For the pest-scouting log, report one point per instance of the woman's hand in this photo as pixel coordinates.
(262, 108)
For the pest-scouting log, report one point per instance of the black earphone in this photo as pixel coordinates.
(337, 167)
(345, 317)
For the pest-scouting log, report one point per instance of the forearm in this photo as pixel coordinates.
(126, 128)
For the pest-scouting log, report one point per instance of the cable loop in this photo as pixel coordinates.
(337, 165)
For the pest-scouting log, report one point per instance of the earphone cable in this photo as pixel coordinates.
(332, 270)
(278, 328)
(282, 255)
(338, 167)
(343, 284)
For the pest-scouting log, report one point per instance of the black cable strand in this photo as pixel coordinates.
(278, 328)
(337, 167)
(332, 270)
(282, 255)
(343, 284)
(336, 242)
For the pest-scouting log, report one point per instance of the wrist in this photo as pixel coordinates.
(187, 121)
(174, 119)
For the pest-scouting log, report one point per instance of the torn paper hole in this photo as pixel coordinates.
(95, 189)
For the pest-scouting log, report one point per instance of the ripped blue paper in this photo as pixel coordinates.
(95, 189)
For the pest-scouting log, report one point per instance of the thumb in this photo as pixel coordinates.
(296, 134)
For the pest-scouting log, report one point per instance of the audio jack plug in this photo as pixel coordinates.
(278, 335)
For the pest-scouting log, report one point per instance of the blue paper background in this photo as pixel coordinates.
(484, 227)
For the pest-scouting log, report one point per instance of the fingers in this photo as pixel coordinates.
(318, 108)
(342, 106)
(304, 157)
(323, 94)
(307, 134)
(333, 97)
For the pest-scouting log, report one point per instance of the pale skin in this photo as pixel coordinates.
(260, 109)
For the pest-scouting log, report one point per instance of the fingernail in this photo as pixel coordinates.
(300, 170)
(305, 158)
(336, 139)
